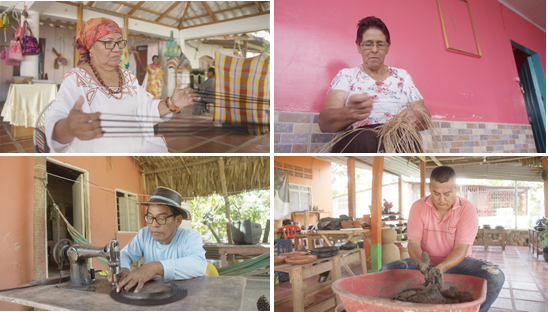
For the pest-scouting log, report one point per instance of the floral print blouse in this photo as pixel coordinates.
(391, 96)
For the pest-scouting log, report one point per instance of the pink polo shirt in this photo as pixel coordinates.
(459, 226)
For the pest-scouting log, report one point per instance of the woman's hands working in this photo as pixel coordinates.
(78, 125)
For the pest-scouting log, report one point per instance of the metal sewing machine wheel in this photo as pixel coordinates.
(76, 255)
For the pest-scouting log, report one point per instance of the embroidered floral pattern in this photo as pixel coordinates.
(391, 95)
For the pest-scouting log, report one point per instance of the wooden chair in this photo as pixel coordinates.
(39, 136)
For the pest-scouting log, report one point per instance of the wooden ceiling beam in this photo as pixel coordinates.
(204, 3)
(187, 5)
(228, 20)
(135, 7)
(176, 3)
(91, 3)
(258, 5)
(73, 26)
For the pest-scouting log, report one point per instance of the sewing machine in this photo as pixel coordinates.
(77, 255)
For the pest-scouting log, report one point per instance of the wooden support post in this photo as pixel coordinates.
(306, 222)
(79, 22)
(39, 236)
(400, 198)
(376, 212)
(423, 177)
(545, 167)
(227, 203)
(144, 177)
(351, 171)
(126, 27)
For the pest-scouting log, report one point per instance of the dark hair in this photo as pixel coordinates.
(212, 70)
(442, 174)
(371, 22)
(155, 56)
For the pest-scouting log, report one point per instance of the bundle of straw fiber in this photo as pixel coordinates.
(399, 135)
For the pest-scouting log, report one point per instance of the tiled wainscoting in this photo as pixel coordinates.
(300, 133)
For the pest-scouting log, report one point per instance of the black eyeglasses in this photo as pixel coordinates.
(111, 44)
(160, 220)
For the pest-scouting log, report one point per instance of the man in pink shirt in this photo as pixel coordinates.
(445, 226)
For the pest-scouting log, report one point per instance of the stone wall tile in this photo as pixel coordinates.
(299, 148)
(467, 150)
(481, 126)
(315, 128)
(448, 137)
(471, 125)
(276, 115)
(445, 124)
(283, 127)
(469, 144)
(462, 137)
(321, 138)
(301, 128)
(465, 131)
(484, 137)
(496, 131)
(316, 148)
(294, 138)
(316, 118)
(277, 138)
(457, 144)
(294, 117)
(282, 148)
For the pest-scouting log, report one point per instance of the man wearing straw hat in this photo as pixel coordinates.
(168, 250)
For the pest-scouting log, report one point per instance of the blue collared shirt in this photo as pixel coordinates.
(182, 258)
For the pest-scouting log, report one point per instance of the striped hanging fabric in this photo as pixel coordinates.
(242, 86)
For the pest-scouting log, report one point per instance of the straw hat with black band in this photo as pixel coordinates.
(166, 196)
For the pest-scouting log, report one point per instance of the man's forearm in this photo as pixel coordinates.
(455, 258)
(157, 266)
(415, 252)
(334, 120)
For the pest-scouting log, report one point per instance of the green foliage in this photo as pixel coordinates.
(266, 46)
(254, 205)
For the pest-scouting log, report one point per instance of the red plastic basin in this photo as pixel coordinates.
(372, 292)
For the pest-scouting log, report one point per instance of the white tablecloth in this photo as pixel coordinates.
(25, 102)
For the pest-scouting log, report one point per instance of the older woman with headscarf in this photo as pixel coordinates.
(101, 107)
(369, 95)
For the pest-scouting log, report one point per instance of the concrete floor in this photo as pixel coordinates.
(256, 286)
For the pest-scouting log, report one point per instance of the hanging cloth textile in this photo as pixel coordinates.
(242, 87)
(171, 47)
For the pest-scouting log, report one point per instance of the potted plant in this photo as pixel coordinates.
(543, 236)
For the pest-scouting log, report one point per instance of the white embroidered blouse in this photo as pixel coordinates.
(391, 96)
(135, 105)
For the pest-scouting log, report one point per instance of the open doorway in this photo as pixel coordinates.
(533, 86)
(68, 187)
(143, 56)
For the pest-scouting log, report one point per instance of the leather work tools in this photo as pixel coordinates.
(77, 255)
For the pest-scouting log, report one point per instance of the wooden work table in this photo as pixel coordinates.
(207, 293)
(327, 236)
(230, 250)
(299, 273)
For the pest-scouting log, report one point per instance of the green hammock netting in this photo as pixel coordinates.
(246, 266)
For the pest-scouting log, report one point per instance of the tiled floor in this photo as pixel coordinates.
(525, 288)
(197, 135)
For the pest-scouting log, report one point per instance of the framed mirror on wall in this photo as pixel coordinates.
(458, 27)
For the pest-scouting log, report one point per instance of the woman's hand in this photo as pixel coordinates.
(182, 97)
(414, 117)
(359, 106)
(84, 126)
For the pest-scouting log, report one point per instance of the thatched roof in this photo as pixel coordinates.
(193, 176)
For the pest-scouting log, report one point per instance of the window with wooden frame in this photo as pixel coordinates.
(127, 211)
(300, 197)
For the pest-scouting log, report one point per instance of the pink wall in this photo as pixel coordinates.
(16, 207)
(314, 39)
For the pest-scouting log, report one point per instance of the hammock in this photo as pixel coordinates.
(246, 266)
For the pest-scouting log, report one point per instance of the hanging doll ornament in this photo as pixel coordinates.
(59, 60)
(5, 24)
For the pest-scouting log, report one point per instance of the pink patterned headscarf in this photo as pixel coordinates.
(90, 32)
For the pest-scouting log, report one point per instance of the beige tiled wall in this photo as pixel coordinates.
(300, 133)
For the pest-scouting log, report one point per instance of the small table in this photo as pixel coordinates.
(24, 104)
(490, 242)
(225, 250)
(534, 242)
(299, 273)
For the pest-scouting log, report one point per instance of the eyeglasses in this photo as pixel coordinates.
(160, 220)
(369, 45)
(111, 44)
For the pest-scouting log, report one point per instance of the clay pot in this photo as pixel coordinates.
(366, 218)
(390, 252)
(279, 259)
(388, 236)
(294, 254)
(301, 259)
(356, 224)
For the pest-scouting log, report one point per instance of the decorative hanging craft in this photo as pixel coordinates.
(172, 49)
(30, 45)
(242, 87)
